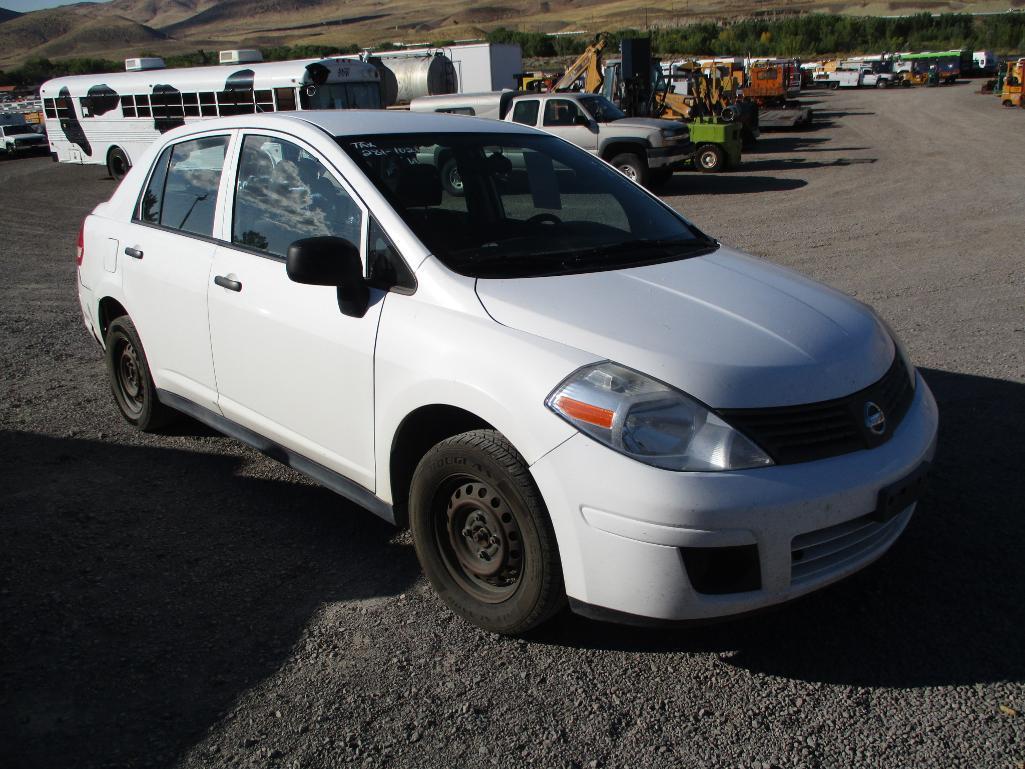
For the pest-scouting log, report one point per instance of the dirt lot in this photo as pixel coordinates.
(177, 600)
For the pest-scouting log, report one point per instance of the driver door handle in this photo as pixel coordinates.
(133, 252)
(225, 282)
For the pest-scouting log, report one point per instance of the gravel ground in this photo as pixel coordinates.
(178, 600)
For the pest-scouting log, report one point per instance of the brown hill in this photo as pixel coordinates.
(170, 26)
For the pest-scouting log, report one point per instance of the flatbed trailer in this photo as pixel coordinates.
(794, 115)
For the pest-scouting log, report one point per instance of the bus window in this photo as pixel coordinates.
(128, 106)
(264, 101)
(207, 104)
(285, 98)
(236, 102)
(142, 105)
(190, 104)
(51, 109)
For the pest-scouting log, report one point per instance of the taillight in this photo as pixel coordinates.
(81, 245)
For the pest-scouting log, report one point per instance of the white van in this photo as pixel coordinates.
(567, 391)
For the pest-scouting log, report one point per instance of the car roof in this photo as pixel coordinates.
(351, 122)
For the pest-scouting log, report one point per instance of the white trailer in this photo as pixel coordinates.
(110, 119)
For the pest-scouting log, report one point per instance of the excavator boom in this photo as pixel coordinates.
(588, 65)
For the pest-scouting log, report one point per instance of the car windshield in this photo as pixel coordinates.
(509, 205)
(11, 130)
(602, 109)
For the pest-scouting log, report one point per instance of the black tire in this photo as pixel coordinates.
(483, 536)
(130, 380)
(880, 83)
(710, 158)
(450, 178)
(631, 166)
(118, 164)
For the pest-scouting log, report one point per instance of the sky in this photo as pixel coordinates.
(34, 5)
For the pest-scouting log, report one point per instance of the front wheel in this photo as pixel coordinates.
(631, 166)
(711, 158)
(483, 536)
(130, 378)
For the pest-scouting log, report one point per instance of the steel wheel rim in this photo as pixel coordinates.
(708, 159)
(129, 378)
(479, 539)
(629, 172)
(455, 180)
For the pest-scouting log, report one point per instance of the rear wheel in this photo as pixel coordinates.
(482, 534)
(711, 158)
(130, 378)
(117, 164)
(631, 166)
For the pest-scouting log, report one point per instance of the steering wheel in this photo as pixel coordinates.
(544, 218)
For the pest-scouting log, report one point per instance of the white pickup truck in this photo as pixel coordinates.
(647, 150)
(855, 75)
(20, 139)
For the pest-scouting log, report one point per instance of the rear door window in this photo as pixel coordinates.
(182, 191)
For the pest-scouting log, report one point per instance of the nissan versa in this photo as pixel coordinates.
(567, 391)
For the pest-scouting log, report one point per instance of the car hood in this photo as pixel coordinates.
(647, 123)
(731, 330)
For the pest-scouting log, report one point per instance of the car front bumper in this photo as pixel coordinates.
(628, 533)
(672, 156)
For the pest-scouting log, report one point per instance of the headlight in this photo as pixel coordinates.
(908, 366)
(650, 421)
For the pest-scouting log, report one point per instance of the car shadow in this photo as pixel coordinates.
(777, 143)
(144, 590)
(943, 608)
(791, 164)
(734, 183)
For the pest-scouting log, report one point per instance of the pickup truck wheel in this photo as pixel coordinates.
(882, 83)
(118, 164)
(483, 536)
(711, 158)
(450, 178)
(631, 166)
(130, 378)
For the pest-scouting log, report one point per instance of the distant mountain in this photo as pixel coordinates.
(123, 28)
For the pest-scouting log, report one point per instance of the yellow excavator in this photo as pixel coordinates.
(587, 66)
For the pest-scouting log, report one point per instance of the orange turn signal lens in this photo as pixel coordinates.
(585, 412)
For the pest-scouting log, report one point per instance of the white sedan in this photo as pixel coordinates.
(567, 391)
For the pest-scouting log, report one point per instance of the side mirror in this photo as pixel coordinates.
(331, 261)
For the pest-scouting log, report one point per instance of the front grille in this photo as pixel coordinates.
(791, 434)
(832, 548)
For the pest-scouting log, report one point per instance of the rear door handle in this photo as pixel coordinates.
(225, 282)
(133, 252)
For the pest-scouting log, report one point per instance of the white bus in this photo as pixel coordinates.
(110, 119)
